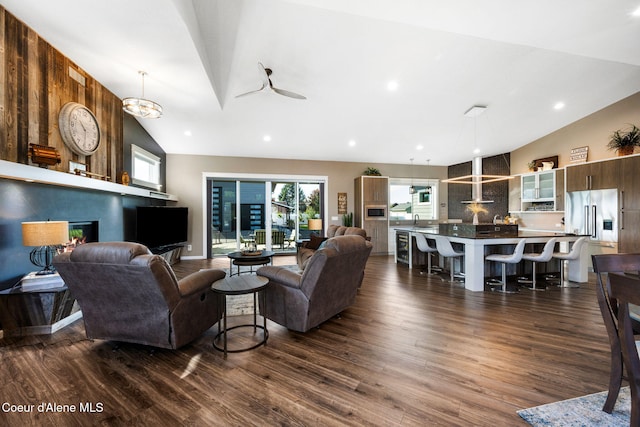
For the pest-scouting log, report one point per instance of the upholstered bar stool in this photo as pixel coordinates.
(535, 257)
(505, 259)
(423, 246)
(445, 249)
(573, 254)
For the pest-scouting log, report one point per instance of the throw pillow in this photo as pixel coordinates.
(315, 242)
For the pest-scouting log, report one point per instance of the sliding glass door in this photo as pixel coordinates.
(273, 215)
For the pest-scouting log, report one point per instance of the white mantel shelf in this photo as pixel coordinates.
(18, 171)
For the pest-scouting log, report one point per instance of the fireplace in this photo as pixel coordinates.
(82, 232)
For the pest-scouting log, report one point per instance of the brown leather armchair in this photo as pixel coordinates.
(327, 286)
(128, 294)
(307, 249)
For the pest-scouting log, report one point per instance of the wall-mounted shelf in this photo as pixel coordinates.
(19, 171)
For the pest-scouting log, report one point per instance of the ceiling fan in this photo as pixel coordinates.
(265, 75)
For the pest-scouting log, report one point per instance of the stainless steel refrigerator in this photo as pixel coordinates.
(594, 213)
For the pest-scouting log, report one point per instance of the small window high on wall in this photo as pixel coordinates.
(145, 168)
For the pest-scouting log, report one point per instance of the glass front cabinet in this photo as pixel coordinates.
(539, 191)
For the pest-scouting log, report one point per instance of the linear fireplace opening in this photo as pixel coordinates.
(82, 232)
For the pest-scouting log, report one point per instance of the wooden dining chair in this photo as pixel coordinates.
(602, 266)
(625, 288)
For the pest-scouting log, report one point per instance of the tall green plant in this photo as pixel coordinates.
(347, 219)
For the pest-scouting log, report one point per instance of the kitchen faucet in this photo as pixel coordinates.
(416, 217)
(496, 218)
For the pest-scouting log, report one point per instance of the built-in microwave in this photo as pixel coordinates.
(375, 212)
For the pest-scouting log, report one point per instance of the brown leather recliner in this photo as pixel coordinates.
(327, 286)
(128, 294)
(307, 249)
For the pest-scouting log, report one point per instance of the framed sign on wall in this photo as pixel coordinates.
(342, 203)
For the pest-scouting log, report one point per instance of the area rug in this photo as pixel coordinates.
(581, 411)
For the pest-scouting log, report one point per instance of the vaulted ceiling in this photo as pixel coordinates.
(520, 59)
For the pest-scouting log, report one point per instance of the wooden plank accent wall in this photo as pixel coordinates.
(34, 85)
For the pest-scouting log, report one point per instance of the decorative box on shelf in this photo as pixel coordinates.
(41, 282)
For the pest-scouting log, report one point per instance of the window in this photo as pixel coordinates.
(145, 168)
(405, 205)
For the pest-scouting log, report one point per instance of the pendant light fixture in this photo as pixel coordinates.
(412, 188)
(141, 107)
(477, 178)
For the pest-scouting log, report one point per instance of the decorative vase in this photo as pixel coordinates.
(625, 151)
(125, 178)
(475, 219)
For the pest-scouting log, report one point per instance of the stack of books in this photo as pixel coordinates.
(34, 282)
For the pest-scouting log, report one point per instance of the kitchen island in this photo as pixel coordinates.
(476, 248)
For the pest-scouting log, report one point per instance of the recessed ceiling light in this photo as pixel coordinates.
(187, 133)
(352, 143)
(392, 85)
(636, 12)
(419, 147)
(476, 150)
(267, 138)
(558, 106)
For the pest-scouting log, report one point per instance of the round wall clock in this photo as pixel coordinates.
(79, 128)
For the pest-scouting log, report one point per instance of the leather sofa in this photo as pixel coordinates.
(307, 249)
(128, 294)
(328, 285)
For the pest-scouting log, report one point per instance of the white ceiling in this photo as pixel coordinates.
(517, 58)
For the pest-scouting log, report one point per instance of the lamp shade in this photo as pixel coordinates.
(45, 233)
(315, 224)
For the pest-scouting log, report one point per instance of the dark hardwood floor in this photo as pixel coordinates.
(412, 350)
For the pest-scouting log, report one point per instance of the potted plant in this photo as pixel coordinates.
(371, 172)
(624, 141)
(347, 219)
(532, 165)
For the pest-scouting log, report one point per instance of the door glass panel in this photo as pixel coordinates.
(222, 205)
(252, 214)
(292, 204)
(311, 208)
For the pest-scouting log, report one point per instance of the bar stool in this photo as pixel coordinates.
(534, 257)
(573, 254)
(423, 246)
(444, 248)
(505, 259)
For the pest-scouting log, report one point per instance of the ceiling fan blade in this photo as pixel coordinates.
(251, 92)
(287, 93)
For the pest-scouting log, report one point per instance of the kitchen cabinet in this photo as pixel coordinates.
(594, 176)
(542, 191)
(628, 235)
(539, 186)
(630, 183)
(515, 195)
(373, 191)
(629, 205)
(379, 233)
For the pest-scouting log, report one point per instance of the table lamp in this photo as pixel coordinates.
(47, 236)
(315, 224)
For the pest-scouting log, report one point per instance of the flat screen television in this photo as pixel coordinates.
(161, 226)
